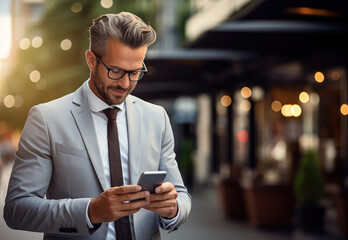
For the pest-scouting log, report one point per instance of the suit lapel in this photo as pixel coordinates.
(134, 126)
(84, 122)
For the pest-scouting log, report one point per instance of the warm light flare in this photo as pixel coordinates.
(319, 77)
(344, 109)
(106, 3)
(76, 7)
(245, 105)
(9, 101)
(304, 97)
(66, 44)
(24, 43)
(313, 12)
(35, 76)
(286, 110)
(245, 92)
(296, 110)
(226, 100)
(5, 39)
(36, 42)
(291, 110)
(276, 106)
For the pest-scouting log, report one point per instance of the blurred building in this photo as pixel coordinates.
(270, 81)
(209, 14)
(24, 13)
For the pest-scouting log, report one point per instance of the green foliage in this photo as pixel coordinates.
(62, 71)
(185, 157)
(184, 14)
(309, 184)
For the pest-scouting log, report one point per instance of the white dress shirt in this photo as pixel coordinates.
(100, 124)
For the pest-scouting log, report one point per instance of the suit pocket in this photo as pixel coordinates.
(71, 151)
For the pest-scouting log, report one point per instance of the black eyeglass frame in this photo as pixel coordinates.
(144, 71)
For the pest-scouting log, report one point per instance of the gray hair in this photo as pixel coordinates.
(125, 27)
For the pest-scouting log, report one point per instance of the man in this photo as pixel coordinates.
(62, 182)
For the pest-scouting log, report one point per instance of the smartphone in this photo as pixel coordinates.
(149, 180)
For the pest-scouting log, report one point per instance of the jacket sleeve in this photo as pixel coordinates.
(169, 164)
(26, 207)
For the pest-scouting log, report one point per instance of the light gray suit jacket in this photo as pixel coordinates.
(58, 157)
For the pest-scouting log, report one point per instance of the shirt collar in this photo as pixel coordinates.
(95, 103)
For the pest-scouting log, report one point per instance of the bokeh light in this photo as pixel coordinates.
(257, 93)
(245, 105)
(9, 101)
(18, 101)
(35, 76)
(41, 84)
(36, 42)
(296, 110)
(304, 97)
(66, 44)
(24, 43)
(344, 109)
(291, 110)
(335, 75)
(245, 92)
(319, 77)
(286, 110)
(76, 7)
(106, 3)
(314, 98)
(276, 106)
(226, 100)
(243, 136)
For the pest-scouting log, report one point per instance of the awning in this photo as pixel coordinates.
(190, 71)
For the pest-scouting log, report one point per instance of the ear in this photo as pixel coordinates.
(91, 60)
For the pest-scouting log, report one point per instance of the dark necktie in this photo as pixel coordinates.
(122, 225)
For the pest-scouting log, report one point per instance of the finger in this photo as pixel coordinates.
(126, 189)
(133, 205)
(134, 196)
(164, 196)
(164, 187)
(161, 204)
(125, 213)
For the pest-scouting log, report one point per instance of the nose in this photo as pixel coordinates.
(124, 81)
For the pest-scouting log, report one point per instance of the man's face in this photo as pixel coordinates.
(119, 55)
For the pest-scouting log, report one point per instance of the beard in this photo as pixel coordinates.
(104, 94)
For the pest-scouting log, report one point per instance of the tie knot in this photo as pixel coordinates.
(111, 113)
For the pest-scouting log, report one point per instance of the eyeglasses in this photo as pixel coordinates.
(116, 73)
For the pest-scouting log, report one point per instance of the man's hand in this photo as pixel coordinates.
(115, 203)
(163, 202)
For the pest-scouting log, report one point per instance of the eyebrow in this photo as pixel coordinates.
(112, 66)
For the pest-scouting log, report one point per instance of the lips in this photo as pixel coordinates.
(117, 90)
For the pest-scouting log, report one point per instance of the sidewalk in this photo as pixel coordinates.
(207, 222)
